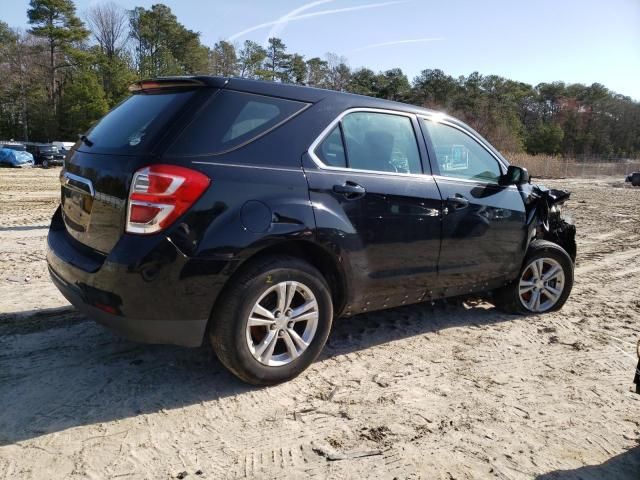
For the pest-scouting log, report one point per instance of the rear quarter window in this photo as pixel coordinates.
(232, 119)
(136, 124)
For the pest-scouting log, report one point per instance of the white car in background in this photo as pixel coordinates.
(63, 147)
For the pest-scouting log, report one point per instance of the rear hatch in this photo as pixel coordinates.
(98, 171)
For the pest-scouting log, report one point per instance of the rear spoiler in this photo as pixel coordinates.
(177, 82)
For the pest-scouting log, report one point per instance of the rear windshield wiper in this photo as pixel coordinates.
(86, 140)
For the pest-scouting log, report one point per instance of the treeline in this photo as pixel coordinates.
(65, 72)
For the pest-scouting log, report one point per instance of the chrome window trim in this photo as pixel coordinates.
(249, 165)
(442, 178)
(321, 165)
(439, 118)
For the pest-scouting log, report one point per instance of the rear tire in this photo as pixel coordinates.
(543, 284)
(272, 321)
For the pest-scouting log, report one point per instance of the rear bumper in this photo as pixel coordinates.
(145, 289)
(187, 333)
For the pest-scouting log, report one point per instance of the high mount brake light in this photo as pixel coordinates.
(159, 194)
(145, 85)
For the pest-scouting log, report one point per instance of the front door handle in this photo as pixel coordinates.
(350, 190)
(457, 202)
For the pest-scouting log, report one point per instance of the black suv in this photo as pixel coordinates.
(45, 154)
(255, 213)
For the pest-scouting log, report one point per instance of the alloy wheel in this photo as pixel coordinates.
(541, 284)
(282, 323)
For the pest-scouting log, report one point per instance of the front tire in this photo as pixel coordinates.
(543, 284)
(272, 321)
(45, 163)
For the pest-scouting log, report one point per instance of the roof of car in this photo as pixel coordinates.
(302, 93)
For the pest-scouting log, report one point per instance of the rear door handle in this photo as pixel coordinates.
(457, 202)
(350, 190)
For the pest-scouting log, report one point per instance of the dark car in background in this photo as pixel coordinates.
(633, 178)
(255, 213)
(45, 154)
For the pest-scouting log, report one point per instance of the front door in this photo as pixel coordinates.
(374, 206)
(483, 223)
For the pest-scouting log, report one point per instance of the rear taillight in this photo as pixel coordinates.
(159, 194)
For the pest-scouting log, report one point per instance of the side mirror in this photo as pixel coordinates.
(515, 176)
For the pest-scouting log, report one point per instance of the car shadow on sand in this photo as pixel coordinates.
(56, 375)
(625, 466)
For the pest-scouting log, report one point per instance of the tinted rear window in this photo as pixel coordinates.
(232, 119)
(134, 125)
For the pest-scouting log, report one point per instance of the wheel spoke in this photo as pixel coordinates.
(260, 322)
(534, 300)
(300, 343)
(533, 267)
(305, 307)
(282, 296)
(526, 286)
(552, 293)
(306, 316)
(291, 291)
(269, 341)
(536, 305)
(552, 273)
(260, 310)
(539, 268)
(291, 348)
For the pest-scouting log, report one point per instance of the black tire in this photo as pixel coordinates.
(228, 324)
(45, 163)
(508, 299)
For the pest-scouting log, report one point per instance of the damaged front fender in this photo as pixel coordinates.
(545, 218)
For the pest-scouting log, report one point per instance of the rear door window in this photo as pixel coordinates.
(137, 123)
(374, 141)
(331, 150)
(232, 119)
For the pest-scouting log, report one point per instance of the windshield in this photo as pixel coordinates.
(48, 148)
(133, 125)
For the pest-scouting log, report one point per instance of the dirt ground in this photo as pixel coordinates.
(439, 391)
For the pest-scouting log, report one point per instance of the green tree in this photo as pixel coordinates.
(250, 60)
(435, 89)
(109, 25)
(364, 81)
(316, 72)
(83, 102)
(393, 85)
(56, 22)
(297, 70)
(224, 61)
(163, 46)
(338, 72)
(545, 138)
(277, 61)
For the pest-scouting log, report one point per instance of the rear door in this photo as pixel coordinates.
(483, 223)
(375, 207)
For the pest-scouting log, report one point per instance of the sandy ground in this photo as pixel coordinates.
(445, 391)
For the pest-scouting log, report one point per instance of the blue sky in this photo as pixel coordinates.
(533, 41)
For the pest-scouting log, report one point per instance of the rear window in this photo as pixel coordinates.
(135, 124)
(232, 119)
